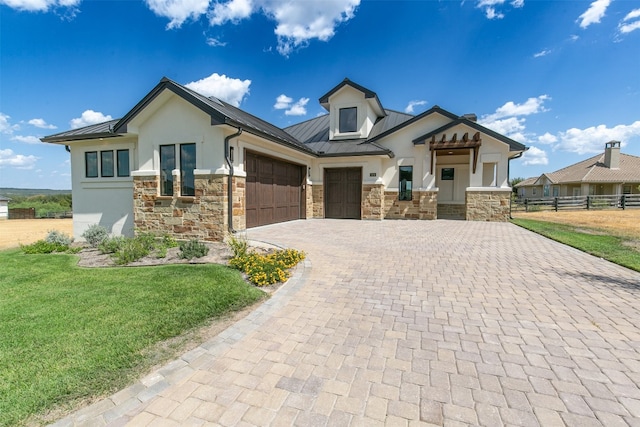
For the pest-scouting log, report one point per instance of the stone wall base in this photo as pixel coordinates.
(422, 206)
(372, 201)
(317, 196)
(488, 205)
(451, 211)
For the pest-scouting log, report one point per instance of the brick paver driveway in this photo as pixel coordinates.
(415, 323)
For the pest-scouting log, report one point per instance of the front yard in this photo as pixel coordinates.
(69, 334)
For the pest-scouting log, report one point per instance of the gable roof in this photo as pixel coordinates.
(594, 170)
(368, 94)
(513, 145)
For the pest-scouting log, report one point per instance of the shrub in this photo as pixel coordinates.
(193, 249)
(43, 247)
(111, 245)
(169, 242)
(238, 246)
(95, 234)
(264, 270)
(131, 250)
(58, 237)
(161, 251)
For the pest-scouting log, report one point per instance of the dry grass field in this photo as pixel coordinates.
(618, 222)
(16, 231)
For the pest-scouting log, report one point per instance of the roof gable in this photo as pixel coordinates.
(368, 94)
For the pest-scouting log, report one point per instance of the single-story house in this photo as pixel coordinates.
(4, 207)
(608, 173)
(197, 167)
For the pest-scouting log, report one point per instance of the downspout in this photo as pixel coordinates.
(508, 178)
(230, 180)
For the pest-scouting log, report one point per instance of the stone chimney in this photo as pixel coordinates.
(612, 154)
(470, 116)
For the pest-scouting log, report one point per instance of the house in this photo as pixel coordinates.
(608, 173)
(197, 167)
(4, 207)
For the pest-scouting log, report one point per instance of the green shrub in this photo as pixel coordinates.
(95, 234)
(192, 249)
(147, 239)
(58, 237)
(112, 244)
(43, 247)
(239, 246)
(161, 251)
(169, 241)
(131, 250)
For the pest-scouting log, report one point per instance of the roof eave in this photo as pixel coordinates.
(271, 138)
(72, 138)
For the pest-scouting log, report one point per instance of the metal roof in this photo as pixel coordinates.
(513, 145)
(100, 130)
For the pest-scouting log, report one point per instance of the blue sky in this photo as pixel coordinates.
(562, 77)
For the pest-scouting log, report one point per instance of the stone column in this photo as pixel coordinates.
(372, 201)
(487, 204)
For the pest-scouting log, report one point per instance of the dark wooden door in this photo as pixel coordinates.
(273, 190)
(343, 193)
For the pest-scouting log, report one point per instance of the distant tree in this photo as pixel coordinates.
(513, 183)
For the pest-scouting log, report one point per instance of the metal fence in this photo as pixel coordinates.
(619, 201)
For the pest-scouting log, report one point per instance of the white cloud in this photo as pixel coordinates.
(40, 123)
(298, 109)
(547, 139)
(178, 11)
(30, 139)
(534, 156)
(232, 11)
(490, 7)
(222, 87)
(5, 125)
(214, 42)
(19, 161)
(507, 119)
(282, 102)
(530, 106)
(89, 117)
(594, 14)
(543, 52)
(412, 104)
(297, 22)
(592, 139)
(630, 22)
(39, 5)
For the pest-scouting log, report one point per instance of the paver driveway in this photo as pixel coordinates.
(413, 323)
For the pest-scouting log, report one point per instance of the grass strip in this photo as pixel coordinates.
(69, 333)
(595, 242)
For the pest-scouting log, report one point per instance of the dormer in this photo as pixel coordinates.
(353, 110)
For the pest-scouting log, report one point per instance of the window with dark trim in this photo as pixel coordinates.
(91, 164)
(123, 162)
(447, 174)
(167, 165)
(348, 120)
(406, 183)
(106, 164)
(187, 167)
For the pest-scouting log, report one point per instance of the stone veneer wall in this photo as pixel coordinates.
(203, 216)
(372, 206)
(491, 205)
(308, 193)
(423, 206)
(317, 196)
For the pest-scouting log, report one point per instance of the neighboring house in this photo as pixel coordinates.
(609, 173)
(196, 167)
(4, 208)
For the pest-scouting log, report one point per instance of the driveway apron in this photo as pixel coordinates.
(412, 323)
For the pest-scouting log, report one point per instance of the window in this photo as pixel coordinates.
(106, 164)
(91, 164)
(446, 174)
(534, 191)
(545, 190)
(406, 182)
(167, 165)
(556, 191)
(123, 162)
(626, 189)
(348, 120)
(187, 166)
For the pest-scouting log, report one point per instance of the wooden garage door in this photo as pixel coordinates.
(343, 193)
(273, 192)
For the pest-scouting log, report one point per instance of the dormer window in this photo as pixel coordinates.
(348, 120)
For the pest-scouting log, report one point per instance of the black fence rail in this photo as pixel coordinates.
(619, 201)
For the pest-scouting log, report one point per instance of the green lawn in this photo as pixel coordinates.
(68, 333)
(619, 250)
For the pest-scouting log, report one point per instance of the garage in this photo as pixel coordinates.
(274, 191)
(343, 193)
